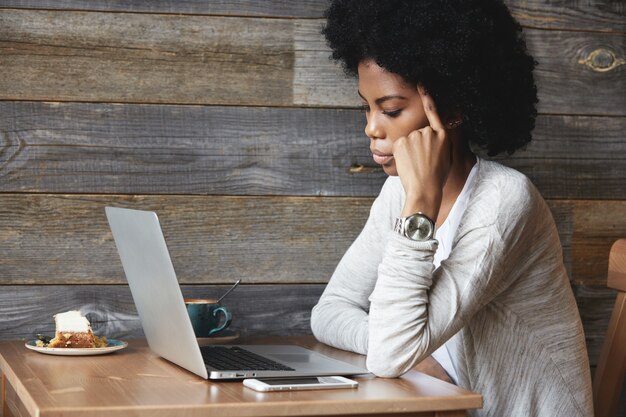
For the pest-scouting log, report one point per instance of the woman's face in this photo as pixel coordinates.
(393, 109)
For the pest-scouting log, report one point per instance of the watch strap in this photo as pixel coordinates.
(399, 226)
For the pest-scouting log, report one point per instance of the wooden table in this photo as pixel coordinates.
(135, 382)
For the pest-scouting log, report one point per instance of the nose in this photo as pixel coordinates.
(373, 129)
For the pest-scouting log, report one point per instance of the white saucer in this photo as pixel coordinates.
(227, 335)
(113, 345)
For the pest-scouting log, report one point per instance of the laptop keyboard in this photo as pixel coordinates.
(235, 358)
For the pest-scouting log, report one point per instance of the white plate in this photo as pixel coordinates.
(113, 345)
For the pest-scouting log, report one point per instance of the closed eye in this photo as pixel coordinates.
(393, 113)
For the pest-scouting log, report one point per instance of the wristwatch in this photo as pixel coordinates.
(416, 227)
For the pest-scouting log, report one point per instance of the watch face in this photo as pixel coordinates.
(418, 227)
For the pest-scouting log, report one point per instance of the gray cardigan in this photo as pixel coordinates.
(502, 298)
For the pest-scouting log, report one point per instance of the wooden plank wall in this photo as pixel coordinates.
(228, 118)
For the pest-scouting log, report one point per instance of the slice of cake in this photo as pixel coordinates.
(73, 330)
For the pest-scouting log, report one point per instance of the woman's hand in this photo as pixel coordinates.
(423, 160)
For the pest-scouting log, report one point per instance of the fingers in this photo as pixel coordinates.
(430, 110)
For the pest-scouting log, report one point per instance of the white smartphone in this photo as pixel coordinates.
(299, 383)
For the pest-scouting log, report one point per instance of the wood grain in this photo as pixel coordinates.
(267, 8)
(13, 406)
(569, 64)
(143, 57)
(602, 15)
(64, 239)
(109, 148)
(611, 371)
(218, 239)
(595, 228)
(617, 266)
(257, 309)
(595, 305)
(585, 67)
(136, 382)
(27, 310)
(571, 78)
(4, 412)
(170, 149)
(152, 58)
(575, 157)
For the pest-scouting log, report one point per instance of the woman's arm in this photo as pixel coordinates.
(340, 318)
(415, 309)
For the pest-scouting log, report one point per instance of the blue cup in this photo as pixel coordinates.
(206, 315)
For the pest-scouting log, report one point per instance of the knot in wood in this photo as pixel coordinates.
(602, 60)
(363, 169)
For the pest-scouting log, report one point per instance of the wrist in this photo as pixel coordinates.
(417, 227)
(428, 205)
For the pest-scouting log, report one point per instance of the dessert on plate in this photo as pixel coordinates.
(73, 330)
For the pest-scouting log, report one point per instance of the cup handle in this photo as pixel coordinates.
(228, 318)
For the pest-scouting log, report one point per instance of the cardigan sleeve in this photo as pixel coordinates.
(340, 318)
(415, 308)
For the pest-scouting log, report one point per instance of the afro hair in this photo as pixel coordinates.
(469, 55)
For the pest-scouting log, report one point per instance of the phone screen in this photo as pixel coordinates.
(296, 381)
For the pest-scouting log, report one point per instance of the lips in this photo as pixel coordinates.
(381, 159)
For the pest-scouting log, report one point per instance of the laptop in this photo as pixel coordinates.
(166, 324)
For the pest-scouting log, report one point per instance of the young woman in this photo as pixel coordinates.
(460, 257)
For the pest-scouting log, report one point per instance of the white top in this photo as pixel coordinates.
(501, 300)
(445, 235)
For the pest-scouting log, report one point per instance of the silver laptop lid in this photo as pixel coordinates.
(152, 280)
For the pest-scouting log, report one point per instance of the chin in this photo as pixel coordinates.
(390, 170)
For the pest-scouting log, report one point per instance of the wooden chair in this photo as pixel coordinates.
(609, 377)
